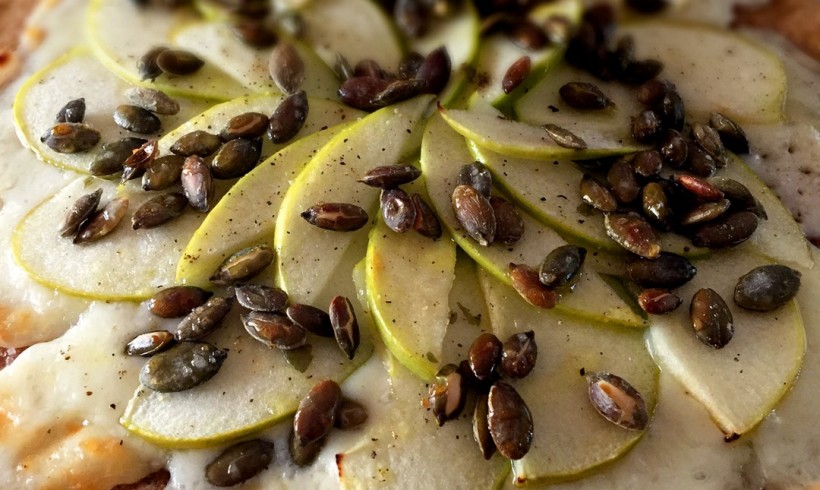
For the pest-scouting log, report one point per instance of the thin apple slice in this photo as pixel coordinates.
(121, 33)
(356, 29)
(741, 383)
(215, 43)
(498, 52)
(125, 265)
(779, 237)
(710, 65)
(307, 256)
(412, 320)
(442, 155)
(549, 191)
(247, 213)
(522, 140)
(570, 437)
(262, 387)
(71, 76)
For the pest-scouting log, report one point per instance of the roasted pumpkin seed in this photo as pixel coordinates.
(286, 67)
(647, 163)
(732, 136)
(475, 214)
(699, 162)
(81, 210)
(427, 223)
(767, 287)
(727, 231)
(352, 414)
(516, 74)
(561, 266)
(239, 463)
(152, 100)
(617, 401)
(247, 125)
(274, 330)
(236, 158)
(162, 172)
(709, 139)
(178, 62)
(255, 33)
(653, 91)
(707, 211)
(672, 111)
(304, 455)
(243, 265)
(113, 154)
(525, 281)
(484, 355)
(147, 64)
(288, 118)
(699, 187)
(711, 318)
(136, 119)
(148, 344)
(72, 112)
(159, 210)
(397, 209)
(481, 427)
(596, 195)
(200, 143)
(447, 394)
(336, 216)
(519, 355)
(509, 227)
(139, 160)
(477, 176)
(409, 65)
(564, 137)
(204, 319)
(103, 221)
(646, 126)
(667, 271)
(345, 326)
(633, 233)
(673, 148)
(311, 319)
(390, 176)
(435, 70)
(623, 183)
(584, 96)
(317, 412)
(71, 137)
(399, 90)
(177, 301)
(658, 301)
(510, 421)
(197, 183)
(182, 367)
(257, 297)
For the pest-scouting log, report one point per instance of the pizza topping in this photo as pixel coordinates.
(658, 301)
(239, 463)
(274, 330)
(140, 159)
(727, 231)
(257, 297)
(286, 67)
(336, 216)
(148, 344)
(236, 158)
(247, 125)
(136, 119)
(345, 325)
(475, 214)
(516, 74)
(767, 287)
(519, 354)
(204, 319)
(79, 212)
(178, 62)
(564, 137)
(200, 143)
(103, 222)
(317, 413)
(182, 367)
(447, 394)
(71, 137)
(72, 112)
(255, 33)
(510, 421)
(147, 64)
(351, 414)
(311, 319)
(152, 100)
(584, 96)
(617, 401)
(114, 153)
(159, 210)
(711, 318)
(509, 226)
(288, 118)
(243, 264)
(177, 301)
(731, 135)
(633, 233)
(162, 172)
(198, 183)
(390, 176)
(561, 265)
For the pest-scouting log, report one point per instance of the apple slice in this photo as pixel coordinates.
(501, 135)
(260, 385)
(73, 75)
(357, 29)
(498, 52)
(442, 155)
(412, 320)
(247, 213)
(709, 66)
(215, 43)
(126, 265)
(307, 256)
(121, 33)
(549, 191)
(570, 437)
(741, 383)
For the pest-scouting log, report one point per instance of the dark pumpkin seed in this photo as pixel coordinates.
(427, 223)
(623, 183)
(243, 265)
(667, 271)
(204, 319)
(162, 172)
(475, 214)
(699, 187)
(525, 281)
(397, 209)
(152, 100)
(732, 136)
(72, 112)
(274, 330)
(510, 421)
(81, 210)
(709, 139)
(699, 162)
(477, 176)
(481, 427)
(633, 233)
(136, 119)
(178, 62)
(140, 159)
(248, 125)
(646, 126)
(369, 68)
(177, 301)
(647, 163)
(288, 118)
(596, 195)
(399, 90)
(345, 326)
(711, 318)
(236, 158)
(71, 137)
(197, 183)
(564, 137)
(255, 33)
(147, 64)
(199, 143)
(672, 111)
(527, 35)
(411, 17)
(767, 287)
(148, 344)
(653, 91)
(658, 301)
(706, 212)
(740, 196)
(617, 401)
(182, 367)
(561, 266)
(359, 92)
(516, 74)
(390, 176)
(239, 463)
(336, 216)
(584, 96)
(113, 154)
(159, 210)
(484, 355)
(311, 319)
(519, 355)
(317, 411)
(655, 204)
(352, 414)
(409, 65)
(286, 67)
(257, 297)
(509, 227)
(447, 394)
(673, 148)
(342, 68)
(435, 70)
(103, 222)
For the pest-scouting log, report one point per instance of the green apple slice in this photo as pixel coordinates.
(497, 53)
(741, 383)
(442, 155)
(126, 265)
(412, 320)
(522, 140)
(73, 75)
(215, 43)
(257, 381)
(121, 33)
(357, 29)
(549, 191)
(570, 437)
(247, 213)
(307, 256)
(710, 65)
(779, 237)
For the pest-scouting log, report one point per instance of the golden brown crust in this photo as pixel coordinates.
(796, 20)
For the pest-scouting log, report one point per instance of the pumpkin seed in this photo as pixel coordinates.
(623, 183)
(673, 148)
(236, 158)
(257, 297)
(243, 265)
(527, 35)
(336, 216)
(239, 463)
(525, 281)
(390, 176)
(655, 204)
(409, 65)
(653, 91)
(152, 100)
(317, 411)
(399, 90)
(255, 33)
(658, 301)
(477, 176)
(596, 195)
(311, 319)
(711, 318)
(81, 210)
(427, 223)
(561, 266)
(148, 344)
(633, 233)
(475, 214)
(140, 159)
(647, 163)
(617, 401)
(204, 319)
(248, 125)
(274, 330)
(411, 17)
(667, 271)
(162, 172)
(113, 154)
(71, 137)
(178, 62)
(564, 137)
(352, 414)
(640, 71)
(509, 227)
(197, 183)
(699, 187)
(584, 96)
(699, 162)
(447, 394)
(740, 196)
(672, 111)
(767, 287)
(103, 221)
(435, 70)
(516, 74)
(199, 143)
(72, 112)
(484, 355)
(359, 92)
(369, 68)
(732, 136)
(481, 427)
(136, 119)
(706, 212)
(709, 139)
(182, 367)
(345, 326)
(519, 355)
(510, 421)
(342, 68)
(727, 231)
(288, 118)
(147, 64)
(397, 209)
(177, 301)
(159, 210)
(286, 67)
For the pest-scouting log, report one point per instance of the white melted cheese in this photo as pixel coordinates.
(61, 400)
